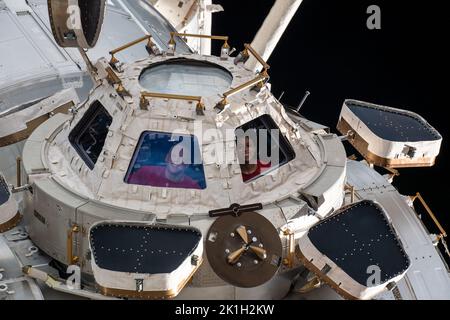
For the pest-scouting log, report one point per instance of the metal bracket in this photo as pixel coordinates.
(235, 210)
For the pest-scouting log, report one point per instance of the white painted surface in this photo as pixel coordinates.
(272, 30)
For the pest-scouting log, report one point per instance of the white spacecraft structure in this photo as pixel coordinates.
(94, 97)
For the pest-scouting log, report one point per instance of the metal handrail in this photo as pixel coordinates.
(249, 48)
(430, 213)
(224, 50)
(144, 103)
(351, 189)
(71, 258)
(114, 79)
(259, 79)
(289, 260)
(192, 35)
(150, 44)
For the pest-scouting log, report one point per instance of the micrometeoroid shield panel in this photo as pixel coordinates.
(356, 251)
(394, 126)
(139, 260)
(389, 137)
(359, 237)
(140, 249)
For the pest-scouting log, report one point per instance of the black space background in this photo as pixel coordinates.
(328, 50)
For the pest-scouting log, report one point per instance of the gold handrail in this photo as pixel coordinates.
(19, 171)
(259, 79)
(149, 45)
(192, 35)
(144, 103)
(430, 213)
(393, 172)
(70, 257)
(249, 48)
(113, 79)
(244, 86)
(225, 47)
(289, 260)
(349, 187)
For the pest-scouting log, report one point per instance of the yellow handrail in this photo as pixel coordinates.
(225, 47)
(113, 79)
(349, 187)
(192, 35)
(249, 48)
(128, 45)
(144, 103)
(431, 214)
(289, 260)
(71, 258)
(259, 79)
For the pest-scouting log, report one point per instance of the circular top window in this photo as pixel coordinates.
(186, 77)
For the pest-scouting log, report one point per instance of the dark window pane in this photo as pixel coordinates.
(261, 147)
(89, 135)
(4, 191)
(165, 160)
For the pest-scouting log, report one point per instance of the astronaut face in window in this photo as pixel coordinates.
(175, 168)
(248, 155)
(162, 161)
(261, 148)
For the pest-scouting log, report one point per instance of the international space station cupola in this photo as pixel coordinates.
(159, 170)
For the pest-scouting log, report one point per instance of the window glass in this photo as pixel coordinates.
(261, 147)
(186, 77)
(89, 135)
(167, 160)
(4, 191)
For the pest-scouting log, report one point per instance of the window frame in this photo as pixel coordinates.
(136, 153)
(184, 62)
(5, 194)
(95, 108)
(284, 145)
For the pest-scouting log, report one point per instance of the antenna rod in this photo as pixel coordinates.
(307, 93)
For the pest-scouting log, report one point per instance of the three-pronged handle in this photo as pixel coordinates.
(234, 256)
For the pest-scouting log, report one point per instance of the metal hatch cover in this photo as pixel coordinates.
(345, 249)
(389, 137)
(141, 260)
(244, 250)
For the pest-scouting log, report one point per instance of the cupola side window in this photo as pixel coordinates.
(261, 148)
(89, 135)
